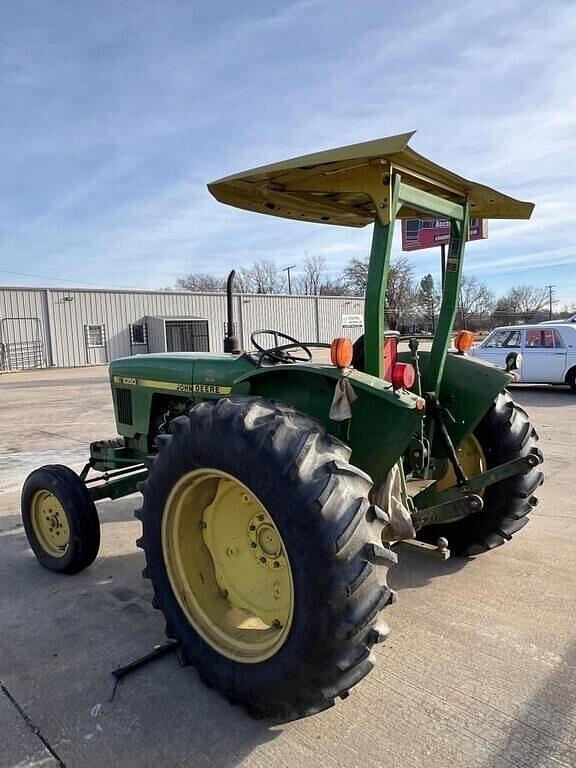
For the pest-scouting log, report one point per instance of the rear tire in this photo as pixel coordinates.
(331, 536)
(505, 433)
(60, 519)
(571, 380)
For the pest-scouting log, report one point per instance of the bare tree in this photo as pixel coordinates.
(314, 282)
(311, 280)
(262, 277)
(243, 281)
(336, 287)
(523, 300)
(401, 293)
(355, 275)
(201, 283)
(477, 301)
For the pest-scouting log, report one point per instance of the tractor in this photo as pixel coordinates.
(275, 486)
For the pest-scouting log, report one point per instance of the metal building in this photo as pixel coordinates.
(43, 327)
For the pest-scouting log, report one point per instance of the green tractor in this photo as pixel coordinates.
(274, 486)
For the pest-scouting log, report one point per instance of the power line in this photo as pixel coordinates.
(73, 282)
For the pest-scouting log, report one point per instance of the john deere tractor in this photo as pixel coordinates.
(274, 486)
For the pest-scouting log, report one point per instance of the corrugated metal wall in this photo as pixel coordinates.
(332, 313)
(117, 310)
(24, 329)
(43, 327)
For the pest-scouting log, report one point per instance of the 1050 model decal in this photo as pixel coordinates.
(193, 389)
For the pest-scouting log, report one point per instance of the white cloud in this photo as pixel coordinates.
(173, 104)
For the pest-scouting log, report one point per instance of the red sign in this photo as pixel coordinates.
(428, 233)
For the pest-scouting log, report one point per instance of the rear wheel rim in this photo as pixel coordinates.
(50, 523)
(472, 460)
(227, 565)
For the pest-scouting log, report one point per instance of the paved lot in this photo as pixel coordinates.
(480, 668)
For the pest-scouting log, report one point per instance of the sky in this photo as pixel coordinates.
(114, 117)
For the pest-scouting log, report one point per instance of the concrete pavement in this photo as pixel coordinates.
(479, 669)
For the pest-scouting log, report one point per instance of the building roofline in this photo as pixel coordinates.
(151, 291)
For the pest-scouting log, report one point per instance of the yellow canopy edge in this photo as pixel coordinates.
(350, 186)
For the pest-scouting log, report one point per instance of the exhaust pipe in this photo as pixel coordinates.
(231, 343)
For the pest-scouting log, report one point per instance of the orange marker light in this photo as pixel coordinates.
(341, 352)
(464, 341)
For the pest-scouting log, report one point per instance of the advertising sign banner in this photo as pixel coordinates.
(428, 233)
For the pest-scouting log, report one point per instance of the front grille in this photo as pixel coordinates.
(124, 405)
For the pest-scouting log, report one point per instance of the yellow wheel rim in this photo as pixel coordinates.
(472, 460)
(227, 565)
(50, 524)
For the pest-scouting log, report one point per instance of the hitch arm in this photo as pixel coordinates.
(430, 496)
(447, 511)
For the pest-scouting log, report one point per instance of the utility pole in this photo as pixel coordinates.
(287, 269)
(550, 287)
(461, 302)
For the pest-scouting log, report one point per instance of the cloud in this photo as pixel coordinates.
(116, 121)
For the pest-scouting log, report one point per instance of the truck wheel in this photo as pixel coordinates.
(505, 433)
(60, 519)
(265, 555)
(571, 379)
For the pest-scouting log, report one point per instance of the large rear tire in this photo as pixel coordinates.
(320, 535)
(505, 433)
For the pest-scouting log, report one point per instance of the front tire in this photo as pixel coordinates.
(60, 519)
(250, 451)
(504, 434)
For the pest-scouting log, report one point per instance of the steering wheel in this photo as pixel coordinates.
(279, 352)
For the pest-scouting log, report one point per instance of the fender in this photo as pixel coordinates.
(383, 420)
(469, 387)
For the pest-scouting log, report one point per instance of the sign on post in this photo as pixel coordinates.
(353, 321)
(429, 233)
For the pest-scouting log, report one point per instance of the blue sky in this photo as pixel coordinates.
(115, 115)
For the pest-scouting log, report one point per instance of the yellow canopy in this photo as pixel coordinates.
(350, 186)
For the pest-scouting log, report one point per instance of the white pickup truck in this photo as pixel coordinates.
(548, 351)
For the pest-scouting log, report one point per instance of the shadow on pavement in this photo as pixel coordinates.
(119, 511)
(544, 733)
(61, 639)
(418, 570)
(542, 396)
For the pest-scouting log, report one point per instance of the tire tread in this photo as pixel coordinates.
(299, 450)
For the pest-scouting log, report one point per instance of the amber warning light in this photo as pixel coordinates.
(341, 352)
(464, 341)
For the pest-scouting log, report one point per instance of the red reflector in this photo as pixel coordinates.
(390, 357)
(403, 376)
